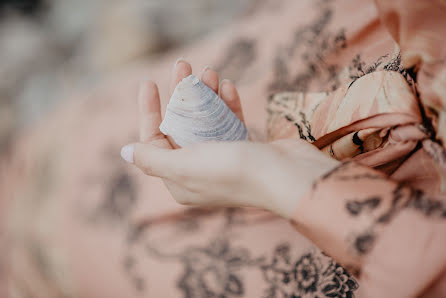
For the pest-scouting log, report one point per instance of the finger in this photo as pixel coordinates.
(181, 70)
(230, 96)
(151, 159)
(210, 78)
(149, 112)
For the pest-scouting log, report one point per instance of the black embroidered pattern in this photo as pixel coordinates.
(356, 207)
(308, 276)
(210, 270)
(115, 206)
(216, 267)
(239, 56)
(213, 271)
(287, 104)
(307, 126)
(401, 198)
(311, 43)
(364, 242)
(358, 68)
(118, 201)
(337, 174)
(121, 197)
(436, 151)
(130, 268)
(303, 123)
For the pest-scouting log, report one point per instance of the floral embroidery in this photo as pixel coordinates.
(312, 42)
(312, 275)
(239, 56)
(358, 68)
(213, 271)
(217, 269)
(382, 207)
(306, 274)
(342, 285)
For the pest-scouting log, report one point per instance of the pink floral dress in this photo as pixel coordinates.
(364, 81)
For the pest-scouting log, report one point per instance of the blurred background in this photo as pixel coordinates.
(49, 48)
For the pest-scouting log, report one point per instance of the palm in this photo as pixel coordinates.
(150, 108)
(150, 113)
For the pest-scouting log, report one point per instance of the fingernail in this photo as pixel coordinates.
(181, 59)
(127, 153)
(223, 82)
(205, 68)
(142, 84)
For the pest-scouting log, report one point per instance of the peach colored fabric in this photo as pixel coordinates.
(82, 224)
(392, 231)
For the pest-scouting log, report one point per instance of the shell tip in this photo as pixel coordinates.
(191, 79)
(195, 80)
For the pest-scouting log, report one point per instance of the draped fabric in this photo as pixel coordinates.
(391, 121)
(363, 81)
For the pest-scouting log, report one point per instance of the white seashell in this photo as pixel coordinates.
(197, 114)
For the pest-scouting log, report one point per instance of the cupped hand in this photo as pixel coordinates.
(270, 176)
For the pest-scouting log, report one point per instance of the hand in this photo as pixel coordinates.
(270, 176)
(227, 91)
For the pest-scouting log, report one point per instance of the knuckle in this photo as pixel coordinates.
(185, 200)
(145, 171)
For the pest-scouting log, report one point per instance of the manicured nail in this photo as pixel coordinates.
(205, 68)
(144, 81)
(127, 153)
(223, 82)
(142, 84)
(181, 59)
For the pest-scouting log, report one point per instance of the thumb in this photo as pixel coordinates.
(152, 160)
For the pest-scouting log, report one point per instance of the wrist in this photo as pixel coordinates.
(283, 187)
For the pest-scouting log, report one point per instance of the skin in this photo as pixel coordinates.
(271, 176)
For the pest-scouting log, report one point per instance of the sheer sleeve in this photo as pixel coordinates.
(387, 233)
(382, 212)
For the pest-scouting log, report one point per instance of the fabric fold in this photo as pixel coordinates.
(375, 120)
(363, 220)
